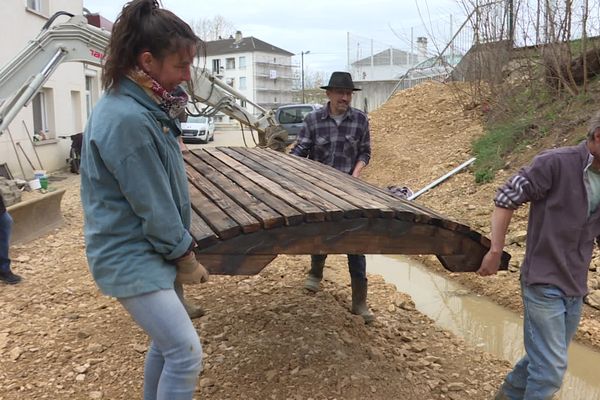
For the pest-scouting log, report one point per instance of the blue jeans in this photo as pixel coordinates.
(5, 227)
(174, 359)
(550, 322)
(357, 264)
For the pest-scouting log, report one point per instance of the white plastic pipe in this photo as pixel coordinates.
(442, 179)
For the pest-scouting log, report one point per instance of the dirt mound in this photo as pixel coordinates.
(420, 134)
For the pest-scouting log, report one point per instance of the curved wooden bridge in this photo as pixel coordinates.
(252, 204)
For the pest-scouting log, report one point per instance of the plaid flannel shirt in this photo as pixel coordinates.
(340, 147)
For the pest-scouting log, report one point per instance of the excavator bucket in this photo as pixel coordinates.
(36, 217)
(274, 138)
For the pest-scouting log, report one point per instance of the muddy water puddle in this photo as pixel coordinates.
(480, 322)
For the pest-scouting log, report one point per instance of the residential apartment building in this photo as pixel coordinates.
(260, 71)
(61, 108)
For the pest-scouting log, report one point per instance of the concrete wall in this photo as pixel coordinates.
(65, 91)
(372, 95)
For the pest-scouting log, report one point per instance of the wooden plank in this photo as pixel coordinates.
(234, 264)
(246, 221)
(360, 235)
(219, 222)
(284, 170)
(422, 213)
(311, 212)
(267, 217)
(201, 232)
(290, 215)
(349, 184)
(318, 178)
(333, 207)
(463, 262)
(405, 210)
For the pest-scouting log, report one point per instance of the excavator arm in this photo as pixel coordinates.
(23, 76)
(78, 41)
(218, 96)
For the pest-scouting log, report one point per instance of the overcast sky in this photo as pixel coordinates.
(318, 26)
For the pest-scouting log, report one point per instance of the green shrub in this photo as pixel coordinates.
(500, 140)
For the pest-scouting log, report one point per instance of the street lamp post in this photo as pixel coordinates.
(302, 53)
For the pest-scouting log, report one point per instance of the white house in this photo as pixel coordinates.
(260, 71)
(384, 65)
(61, 108)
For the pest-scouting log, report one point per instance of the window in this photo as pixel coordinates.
(242, 62)
(39, 6)
(88, 96)
(243, 103)
(230, 63)
(40, 121)
(293, 115)
(242, 83)
(43, 110)
(216, 66)
(35, 5)
(197, 120)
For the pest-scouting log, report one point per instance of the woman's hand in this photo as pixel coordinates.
(190, 271)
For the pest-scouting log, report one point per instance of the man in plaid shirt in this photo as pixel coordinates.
(338, 135)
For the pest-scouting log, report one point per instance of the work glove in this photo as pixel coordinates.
(190, 271)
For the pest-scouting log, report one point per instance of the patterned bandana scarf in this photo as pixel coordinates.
(172, 103)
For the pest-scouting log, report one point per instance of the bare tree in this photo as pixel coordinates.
(215, 28)
(313, 79)
(553, 49)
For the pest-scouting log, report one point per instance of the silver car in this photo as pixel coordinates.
(291, 118)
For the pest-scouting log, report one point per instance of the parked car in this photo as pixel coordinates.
(198, 130)
(291, 118)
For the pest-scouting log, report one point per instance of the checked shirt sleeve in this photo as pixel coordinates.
(511, 195)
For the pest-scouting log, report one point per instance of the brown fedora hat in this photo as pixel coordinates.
(340, 80)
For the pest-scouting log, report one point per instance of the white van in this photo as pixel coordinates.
(198, 130)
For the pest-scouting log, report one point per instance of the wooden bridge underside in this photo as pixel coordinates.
(249, 205)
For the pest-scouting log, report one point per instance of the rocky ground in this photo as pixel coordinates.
(263, 336)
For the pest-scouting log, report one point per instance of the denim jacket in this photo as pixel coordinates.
(560, 234)
(134, 193)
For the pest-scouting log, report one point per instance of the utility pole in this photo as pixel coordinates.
(511, 23)
(302, 53)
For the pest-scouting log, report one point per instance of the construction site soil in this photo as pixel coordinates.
(264, 337)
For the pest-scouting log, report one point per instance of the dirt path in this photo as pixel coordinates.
(264, 337)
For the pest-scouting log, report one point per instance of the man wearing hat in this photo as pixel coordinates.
(338, 135)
